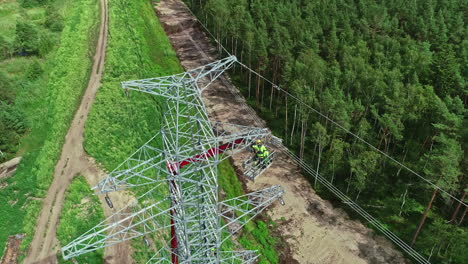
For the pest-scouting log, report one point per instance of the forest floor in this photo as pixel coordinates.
(313, 230)
(73, 160)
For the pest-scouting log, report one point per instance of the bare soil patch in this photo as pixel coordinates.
(9, 167)
(313, 230)
(11, 250)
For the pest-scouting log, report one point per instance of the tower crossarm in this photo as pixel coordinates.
(143, 167)
(161, 86)
(130, 222)
(192, 82)
(206, 74)
(146, 165)
(234, 143)
(162, 256)
(238, 211)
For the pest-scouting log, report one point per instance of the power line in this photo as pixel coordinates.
(378, 225)
(333, 189)
(338, 193)
(373, 221)
(353, 134)
(277, 87)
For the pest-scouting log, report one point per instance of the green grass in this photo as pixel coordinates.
(81, 211)
(48, 100)
(8, 16)
(137, 48)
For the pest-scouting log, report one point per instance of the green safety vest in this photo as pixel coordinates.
(264, 154)
(256, 148)
(261, 151)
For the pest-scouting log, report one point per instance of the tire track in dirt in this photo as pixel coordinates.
(73, 160)
(314, 231)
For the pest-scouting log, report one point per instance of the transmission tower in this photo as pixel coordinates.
(177, 170)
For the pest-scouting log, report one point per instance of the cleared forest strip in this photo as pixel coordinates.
(315, 231)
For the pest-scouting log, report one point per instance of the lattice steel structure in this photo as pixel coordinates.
(178, 169)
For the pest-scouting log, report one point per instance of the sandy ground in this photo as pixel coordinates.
(314, 231)
(73, 161)
(11, 251)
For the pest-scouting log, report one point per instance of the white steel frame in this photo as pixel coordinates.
(178, 167)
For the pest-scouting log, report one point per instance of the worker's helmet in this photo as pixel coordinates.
(259, 141)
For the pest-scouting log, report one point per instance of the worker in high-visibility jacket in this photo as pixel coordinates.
(261, 152)
(258, 148)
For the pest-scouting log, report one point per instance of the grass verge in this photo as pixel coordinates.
(81, 211)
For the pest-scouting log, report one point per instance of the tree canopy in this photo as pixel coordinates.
(392, 72)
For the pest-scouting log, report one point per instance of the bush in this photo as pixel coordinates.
(34, 70)
(6, 48)
(12, 120)
(45, 43)
(6, 91)
(32, 3)
(53, 21)
(27, 38)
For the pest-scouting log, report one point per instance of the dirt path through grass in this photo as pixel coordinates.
(314, 231)
(73, 160)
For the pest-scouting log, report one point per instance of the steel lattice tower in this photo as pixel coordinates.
(178, 170)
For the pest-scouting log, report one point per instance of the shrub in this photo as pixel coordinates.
(45, 43)
(32, 3)
(27, 38)
(53, 21)
(6, 48)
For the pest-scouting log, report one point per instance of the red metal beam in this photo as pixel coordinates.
(174, 167)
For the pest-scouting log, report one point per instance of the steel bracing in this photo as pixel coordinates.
(178, 169)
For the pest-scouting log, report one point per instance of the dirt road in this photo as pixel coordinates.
(73, 161)
(314, 231)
